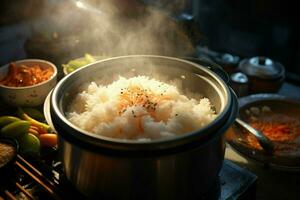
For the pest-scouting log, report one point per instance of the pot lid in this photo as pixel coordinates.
(262, 67)
(227, 58)
(239, 78)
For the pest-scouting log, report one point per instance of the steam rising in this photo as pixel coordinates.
(117, 27)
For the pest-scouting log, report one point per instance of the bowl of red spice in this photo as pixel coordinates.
(277, 117)
(27, 82)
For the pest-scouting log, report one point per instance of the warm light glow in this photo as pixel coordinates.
(79, 4)
(114, 30)
(82, 5)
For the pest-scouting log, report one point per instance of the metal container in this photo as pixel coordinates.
(184, 167)
(239, 83)
(265, 75)
(227, 61)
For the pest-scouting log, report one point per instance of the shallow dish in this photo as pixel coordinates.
(283, 159)
(28, 95)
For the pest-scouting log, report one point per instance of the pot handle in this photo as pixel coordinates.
(205, 62)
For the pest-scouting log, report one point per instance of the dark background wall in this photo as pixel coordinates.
(245, 28)
(252, 27)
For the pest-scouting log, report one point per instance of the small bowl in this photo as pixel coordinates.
(29, 95)
(6, 165)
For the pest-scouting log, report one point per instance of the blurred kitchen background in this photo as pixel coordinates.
(60, 30)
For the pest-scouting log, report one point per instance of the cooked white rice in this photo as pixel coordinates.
(138, 108)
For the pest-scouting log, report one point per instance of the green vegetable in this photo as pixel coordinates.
(89, 58)
(26, 117)
(29, 143)
(15, 129)
(80, 62)
(4, 120)
(34, 113)
(69, 68)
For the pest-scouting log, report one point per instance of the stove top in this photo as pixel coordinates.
(33, 178)
(236, 182)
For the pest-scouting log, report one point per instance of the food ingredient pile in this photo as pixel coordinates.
(138, 108)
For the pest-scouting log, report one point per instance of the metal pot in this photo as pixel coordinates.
(265, 75)
(184, 167)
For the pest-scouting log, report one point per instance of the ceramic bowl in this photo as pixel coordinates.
(29, 95)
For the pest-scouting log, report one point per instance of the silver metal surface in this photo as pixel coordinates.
(183, 167)
(184, 175)
(239, 83)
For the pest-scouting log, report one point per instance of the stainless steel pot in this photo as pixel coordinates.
(184, 167)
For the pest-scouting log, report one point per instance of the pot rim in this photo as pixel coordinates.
(72, 132)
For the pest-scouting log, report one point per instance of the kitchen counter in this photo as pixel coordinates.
(272, 184)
